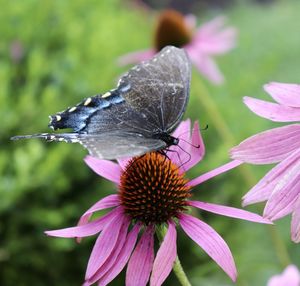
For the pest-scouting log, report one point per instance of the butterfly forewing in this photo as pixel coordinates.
(159, 88)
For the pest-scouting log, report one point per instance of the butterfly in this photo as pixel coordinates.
(136, 117)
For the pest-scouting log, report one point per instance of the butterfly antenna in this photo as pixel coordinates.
(195, 146)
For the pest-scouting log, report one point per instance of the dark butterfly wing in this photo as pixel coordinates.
(150, 99)
(159, 88)
(112, 146)
(106, 145)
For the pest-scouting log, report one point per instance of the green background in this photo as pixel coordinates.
(69, 52)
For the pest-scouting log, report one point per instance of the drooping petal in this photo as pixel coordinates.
(290, 277)
(272, 111)
(264, 188)
(141, 261)
(113, 256)
(122, 257)
(211, 27)
(295, 227)
(88, 229)
(229, 211)
(205, 64)
(284, 93)
(105, 203)
(211, 242)
(270, 146)
(136, 57)
(105, 244)
(104, 168)
(285, 194)
(224, 168)
(165, 257)
(218, 43)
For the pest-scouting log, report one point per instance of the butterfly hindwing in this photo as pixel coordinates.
(106, 145)
(119, 145)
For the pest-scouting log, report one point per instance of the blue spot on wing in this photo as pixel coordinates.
(77, 117)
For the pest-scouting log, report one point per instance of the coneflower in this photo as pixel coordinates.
(152, 192)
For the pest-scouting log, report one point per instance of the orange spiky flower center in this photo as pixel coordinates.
(153, 189)
(171, 30)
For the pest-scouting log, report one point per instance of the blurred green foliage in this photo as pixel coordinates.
(53, 54)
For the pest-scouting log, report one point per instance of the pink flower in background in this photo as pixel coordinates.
(280, 187)
(201, 44)
(289, 277)
(152, 191)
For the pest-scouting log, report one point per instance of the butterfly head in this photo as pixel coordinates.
(167, 138)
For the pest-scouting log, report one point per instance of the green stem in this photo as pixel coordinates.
(222, 128)
(279, 245)
(177, 268)
(180, 274)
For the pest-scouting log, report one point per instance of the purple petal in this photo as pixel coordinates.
(211, 27)
(141, 261)
(229, 211)
(285, 194)
(270, 146)
(284, 93)
(214, 173)
(196, 148)
(123, 162)
(105, 244)
(182, 132)
(110, 262)
(272, 111)
(264, 188)
(87, 229)
(205, 64)
(191, 21)
(122, 258)
(290, 277)
(211, 242)
(165, 257)
(105, 203)
(104, 168)
(295, 228)
(136, 57)
(214, 38)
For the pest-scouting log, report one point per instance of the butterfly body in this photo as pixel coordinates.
(136, 117)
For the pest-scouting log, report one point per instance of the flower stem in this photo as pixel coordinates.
(279, 245)
(177, 268)
(222, 128)
(180, 274)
